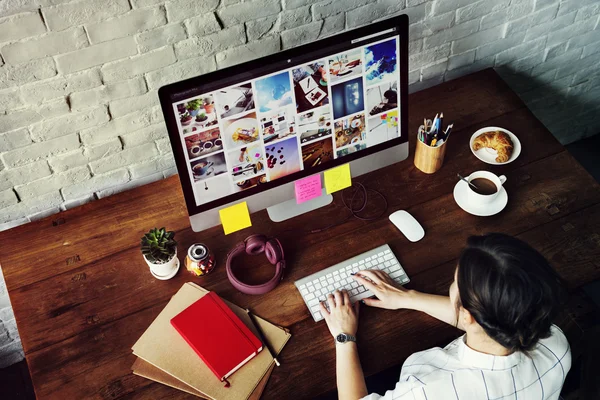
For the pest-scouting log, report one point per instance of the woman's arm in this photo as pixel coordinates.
(342, 317)
(391, 296)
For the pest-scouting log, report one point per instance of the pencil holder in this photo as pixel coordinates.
(429, 159)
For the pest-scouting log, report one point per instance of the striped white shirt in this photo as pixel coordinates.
(459, 372)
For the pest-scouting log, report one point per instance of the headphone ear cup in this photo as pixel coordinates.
(255, 244)
(274, 251)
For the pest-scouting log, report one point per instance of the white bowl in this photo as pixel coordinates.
(488, 155)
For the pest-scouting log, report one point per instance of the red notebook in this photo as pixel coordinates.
(217, 335)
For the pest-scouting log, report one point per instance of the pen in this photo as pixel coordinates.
(262, 337)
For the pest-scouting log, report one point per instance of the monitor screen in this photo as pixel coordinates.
(245, 133)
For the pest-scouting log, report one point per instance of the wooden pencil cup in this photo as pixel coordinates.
(429, 159)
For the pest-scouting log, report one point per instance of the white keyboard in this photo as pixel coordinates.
(315, 288)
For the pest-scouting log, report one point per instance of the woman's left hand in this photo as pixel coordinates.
(342, 316)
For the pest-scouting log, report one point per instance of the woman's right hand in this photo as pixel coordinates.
(389, 294)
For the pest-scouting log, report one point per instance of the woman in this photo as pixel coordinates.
(504, 296)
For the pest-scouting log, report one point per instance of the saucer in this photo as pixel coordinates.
(488, 155)
(167, 277)
(461, 196)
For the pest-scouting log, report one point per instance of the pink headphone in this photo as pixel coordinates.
(254, 245)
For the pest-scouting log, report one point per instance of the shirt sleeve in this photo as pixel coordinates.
(403, 390)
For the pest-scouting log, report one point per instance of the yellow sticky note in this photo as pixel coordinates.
(337, 178)
(235, 218)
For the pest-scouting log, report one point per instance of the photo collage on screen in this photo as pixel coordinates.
(254, 132)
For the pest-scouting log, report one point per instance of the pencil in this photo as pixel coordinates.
(263, 338)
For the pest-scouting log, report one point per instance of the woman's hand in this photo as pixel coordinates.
(342, 315)
(389, 294)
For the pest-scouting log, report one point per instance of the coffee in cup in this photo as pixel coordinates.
(488, 187)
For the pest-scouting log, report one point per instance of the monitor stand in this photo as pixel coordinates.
(290, 209)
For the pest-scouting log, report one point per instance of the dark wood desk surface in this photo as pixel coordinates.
(82, 294)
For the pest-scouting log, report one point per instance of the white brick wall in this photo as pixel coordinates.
(79, 115)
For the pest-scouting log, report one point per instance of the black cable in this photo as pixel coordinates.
(359, 188)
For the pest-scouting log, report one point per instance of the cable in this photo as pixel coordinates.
(359, 188)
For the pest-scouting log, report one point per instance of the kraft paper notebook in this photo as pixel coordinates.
(163, 347)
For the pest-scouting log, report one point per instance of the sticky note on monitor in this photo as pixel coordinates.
(337, 178)
(235, 218)
(308, 188)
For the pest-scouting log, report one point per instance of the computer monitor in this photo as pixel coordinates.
(248, 132)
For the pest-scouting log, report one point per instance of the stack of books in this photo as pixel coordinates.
(197, 345)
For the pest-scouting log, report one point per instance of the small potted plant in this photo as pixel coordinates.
(186, 119)
(193, 106)
(201, 117)
(160, 252)
(209, 105)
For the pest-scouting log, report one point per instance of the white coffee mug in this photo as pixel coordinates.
(476, 198)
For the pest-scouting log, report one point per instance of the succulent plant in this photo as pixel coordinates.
(194, 104)
(158, 245)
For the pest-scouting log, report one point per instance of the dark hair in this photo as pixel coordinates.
(510, 289)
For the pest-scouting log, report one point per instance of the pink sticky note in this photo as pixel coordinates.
(308, 188)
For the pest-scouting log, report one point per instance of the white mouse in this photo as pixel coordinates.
(408, 225)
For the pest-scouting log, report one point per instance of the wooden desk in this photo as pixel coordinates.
(82, 294)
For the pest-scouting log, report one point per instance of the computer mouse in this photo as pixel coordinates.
(408, 225)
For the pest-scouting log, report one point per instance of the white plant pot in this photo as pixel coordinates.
(166, 270)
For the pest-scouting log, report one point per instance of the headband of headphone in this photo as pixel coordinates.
(255, 245)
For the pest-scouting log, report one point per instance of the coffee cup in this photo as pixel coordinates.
(488, 187)
(202, 168)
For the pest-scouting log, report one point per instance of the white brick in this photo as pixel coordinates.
(121, 126)
(428, 57)
(124, 158)
(289, 4)
(478, 9)
(60, 86)
(555, 51)
(15, 75)
(110, 91)
(207, 45)
(571, 68)
(128, 24)
(292, 18)
(248, 10)
(28, 207)
(43, 214)
(303, 34)
(160, 37)
(521, 64)
(145, 3)
(531, 20)
(18, 119)
(95, 183)
(539, 4)
(181, 70)
(21, 175)
(434, 71)
(98, 151)
(258, 28)
(134, 66)
(159, 164)
(506, 14)
(36, 151)
(170, 172)
(454, 33)
(145, 135)
(415, 46)
(13, 353)
(441, 7)
(550, 26)
(566, 6)
(8, 198)
(47, 45)
(499, 46)
(64, 162)
(14, 139)
(9, 7)
(562, 35)
(435, 24)
(585, 39)
(591, 49)
(21, 27)
(53, 108)
(82, 12)
(10, 99)
(53, 183)
(461, 60)
(119, 108)
(96, 55)
(72, 122)
(129, 185)
(69, 204)
(415, 14)
(325, 9)
(332, 25)
(201, 25)
(371, 12)
(178, 10)
(250, 51)
(475, 40)
(568, 57)
(587, 12)
(164, 147)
